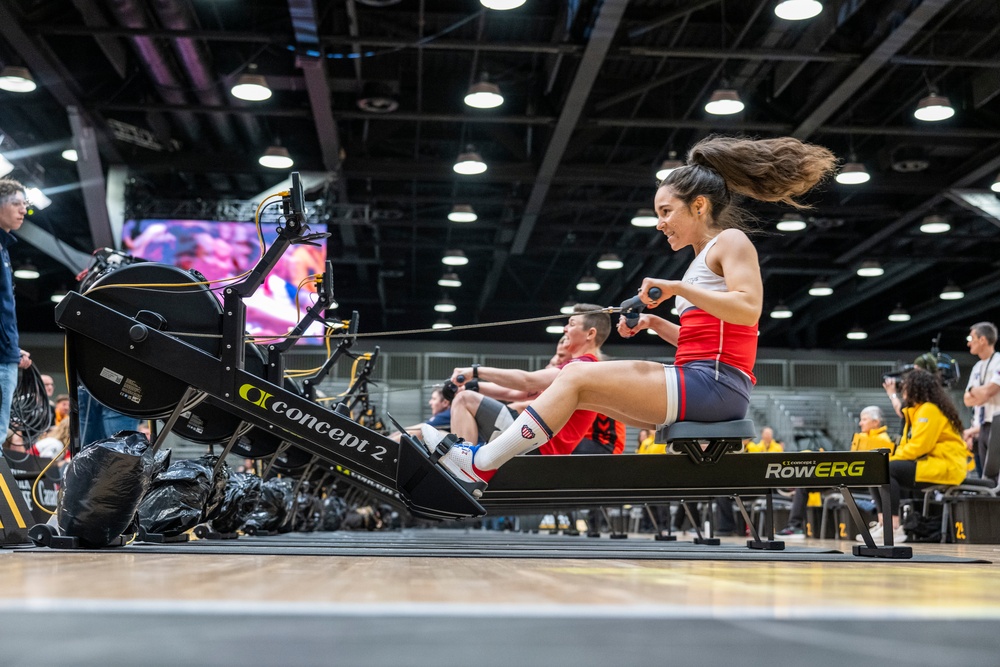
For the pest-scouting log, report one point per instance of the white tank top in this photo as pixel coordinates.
(699, 274)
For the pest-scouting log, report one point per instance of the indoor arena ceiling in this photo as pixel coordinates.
(368, 98)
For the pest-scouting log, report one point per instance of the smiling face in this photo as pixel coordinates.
(683, 225)
(13, 208)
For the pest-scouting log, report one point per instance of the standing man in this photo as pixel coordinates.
(13, 207)
(983, 391)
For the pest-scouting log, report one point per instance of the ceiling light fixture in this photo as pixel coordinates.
(820, 288)
(555, 328)
(935, 224)
(853, 173)
(644, 217)
(445, 305)
(857, 333)
(450, 280)
(442, 323)
(724, 102)
(609, 261)
(567, 308)
(469, 163)
(501, 5)
(58, 296)
(667, 167)
(588, 284)
(70, 154)
(781, 311)
(870, 269)
(454, 258)
(933, 108)
(798, 10)
(952, 292)
(484, 95)
(899, 314)
(276, 157)
(462, 213)
(377, 97)
(251, 87)
(27, 272)
(996, 184)
(791, 222)
(16, 80)
(37, 199)
(6, 166)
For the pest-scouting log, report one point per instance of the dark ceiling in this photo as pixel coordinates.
(597, 95)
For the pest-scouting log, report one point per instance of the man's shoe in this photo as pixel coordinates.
(792, 533)
(459, 459)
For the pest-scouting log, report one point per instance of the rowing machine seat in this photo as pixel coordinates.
(734, 430)
(721, 437)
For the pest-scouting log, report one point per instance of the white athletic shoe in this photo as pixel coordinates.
(458, 459)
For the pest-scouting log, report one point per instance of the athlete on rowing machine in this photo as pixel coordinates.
(719, 300)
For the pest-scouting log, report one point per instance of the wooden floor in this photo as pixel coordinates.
(50, 582)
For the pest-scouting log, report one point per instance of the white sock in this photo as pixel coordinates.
(526, 433)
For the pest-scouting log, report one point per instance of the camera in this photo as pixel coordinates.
(937, 362)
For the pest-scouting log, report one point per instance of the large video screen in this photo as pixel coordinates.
(221, 250)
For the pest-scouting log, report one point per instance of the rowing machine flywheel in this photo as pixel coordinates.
(186, 307)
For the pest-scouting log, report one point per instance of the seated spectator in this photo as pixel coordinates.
(53, 442)
(440, 418)
(931, 450)
(61, 408)
(767, 444)
(647, 443)
(871, 436)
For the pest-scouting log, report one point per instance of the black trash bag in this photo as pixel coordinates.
(103, 486)
(366, 517)
(177, 497)
(242, 496)
(274, 506)
(219, 484)
(334, 511)
(308, 510)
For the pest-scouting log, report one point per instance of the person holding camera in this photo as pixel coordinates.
(931, 450)
(982, 394)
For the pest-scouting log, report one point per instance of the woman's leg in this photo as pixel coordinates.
(633, 391)
(902, 475)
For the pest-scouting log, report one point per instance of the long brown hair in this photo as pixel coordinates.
(771, 170)
(919, 386)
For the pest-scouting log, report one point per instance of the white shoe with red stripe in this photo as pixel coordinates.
(459, 459)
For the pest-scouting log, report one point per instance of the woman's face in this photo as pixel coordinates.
(683, 225)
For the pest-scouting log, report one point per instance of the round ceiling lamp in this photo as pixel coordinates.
(276, 157)
(899, 314)
(644, 217)
(667, 167)
(935, 224)
(484, 95)
(16, 80)
(857, 333)
(454, 258)
(251, 87)
(870, 269)
(445, 305)
(820, 288)
(724, 102)
(469, 163)
(609, 261)
(442, 323)
(781, 311)
(797, 10)
(588, 284)
(462, 213)
(450, 280)
(791, 222)
(934, 108)
(853, 173)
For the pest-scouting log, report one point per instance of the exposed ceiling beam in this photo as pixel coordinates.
(870, 66)
(88, 166)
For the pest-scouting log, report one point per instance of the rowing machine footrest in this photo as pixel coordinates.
(707, 541)
(444, 447)
(160, 538)
(898, 552)
(766, 545)
(619, 536)
(660, 537)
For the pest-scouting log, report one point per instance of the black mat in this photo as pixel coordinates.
(482, 544)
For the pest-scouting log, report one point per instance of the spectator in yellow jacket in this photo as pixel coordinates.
(767, 444)
(872, 435)
(931, 450)
(647, 443)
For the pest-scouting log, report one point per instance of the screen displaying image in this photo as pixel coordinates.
(220, 250)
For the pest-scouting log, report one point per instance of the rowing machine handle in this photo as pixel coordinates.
(631, 308)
